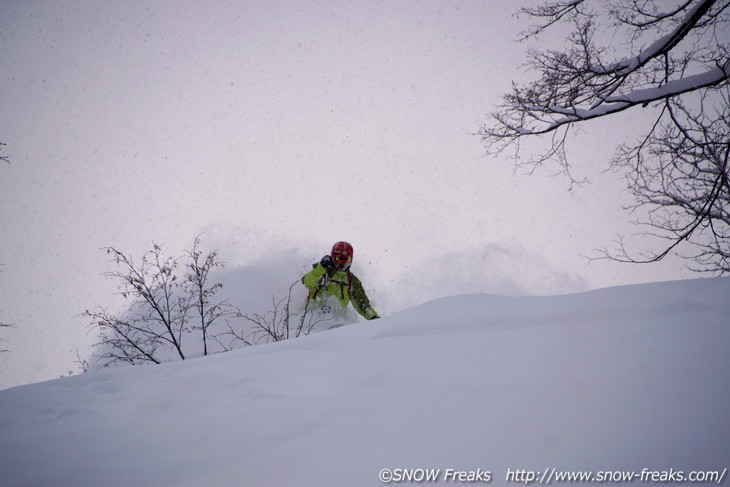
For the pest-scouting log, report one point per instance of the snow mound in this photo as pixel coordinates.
(623, 378)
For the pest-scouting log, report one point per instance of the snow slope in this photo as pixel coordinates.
(623, 378)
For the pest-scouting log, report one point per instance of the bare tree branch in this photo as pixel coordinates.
(166, 307)
(278, 324)
(196, 286)
(552, 12)
(679, 57)
(5, 325)
(163, 307)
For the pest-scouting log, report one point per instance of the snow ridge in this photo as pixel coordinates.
(620, 378)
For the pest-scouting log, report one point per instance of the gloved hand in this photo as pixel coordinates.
(327, 262)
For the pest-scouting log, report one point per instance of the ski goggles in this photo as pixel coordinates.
(342, 258)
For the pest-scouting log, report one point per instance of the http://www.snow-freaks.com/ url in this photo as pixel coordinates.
(548, 476)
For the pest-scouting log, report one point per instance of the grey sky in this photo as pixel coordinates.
(277, 128)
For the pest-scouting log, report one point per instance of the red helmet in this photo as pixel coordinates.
(342, 254)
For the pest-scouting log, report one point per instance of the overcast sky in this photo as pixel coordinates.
(277, 128)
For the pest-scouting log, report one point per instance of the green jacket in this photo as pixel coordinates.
(344, 285)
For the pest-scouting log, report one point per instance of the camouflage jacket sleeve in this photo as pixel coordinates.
(360, 300)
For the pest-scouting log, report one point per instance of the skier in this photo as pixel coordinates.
(331, 278)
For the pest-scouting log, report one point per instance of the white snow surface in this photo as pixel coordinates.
(621, 378)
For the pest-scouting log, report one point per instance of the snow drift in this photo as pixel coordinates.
(619, 379)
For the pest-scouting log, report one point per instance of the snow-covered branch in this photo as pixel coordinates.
(579, 84)
(617, 103)
(677, 60)
(664, 44)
